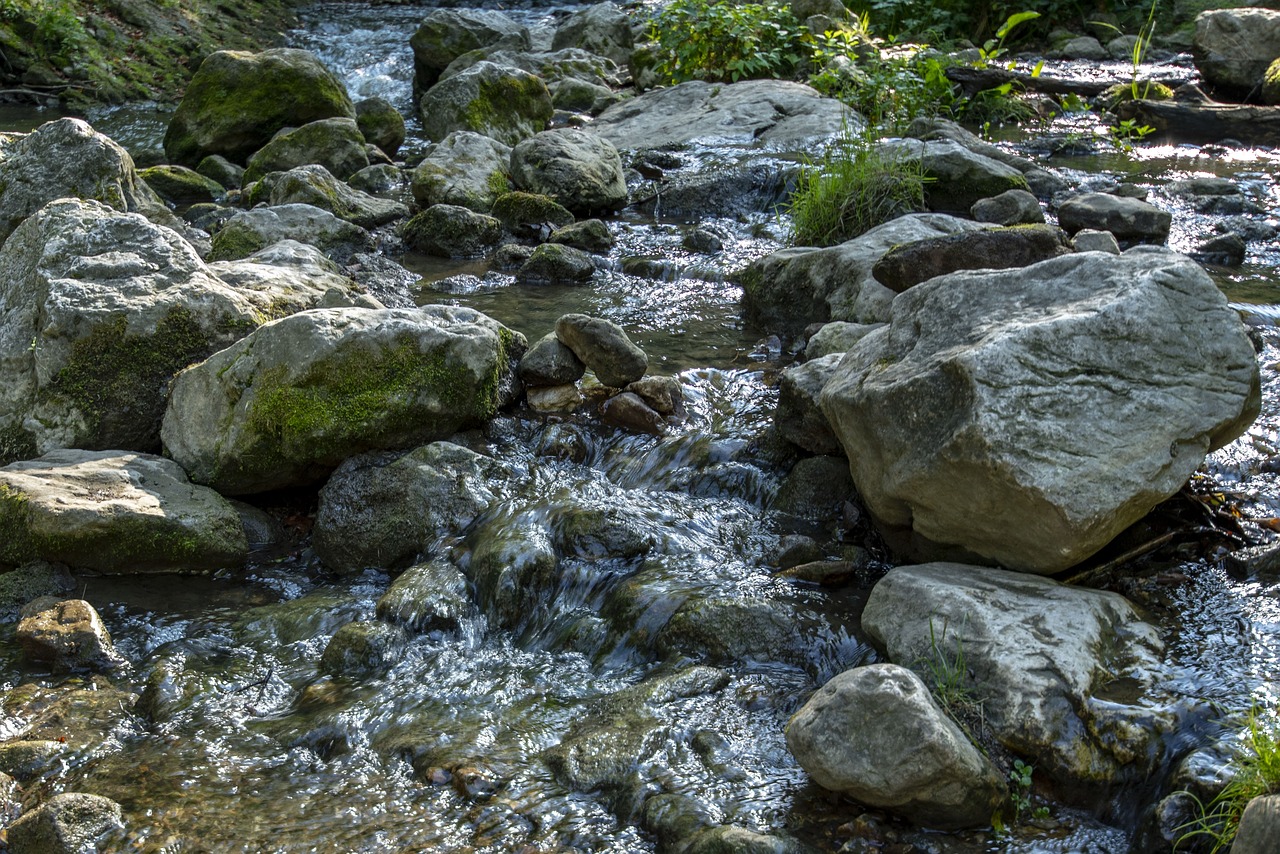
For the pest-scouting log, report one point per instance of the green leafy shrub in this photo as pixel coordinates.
(1257, 768)
(890, 87)
(726, 41)
(854, 188)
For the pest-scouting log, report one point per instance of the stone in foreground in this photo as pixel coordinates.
(1028, 416)
(604, 347)
(876, 734)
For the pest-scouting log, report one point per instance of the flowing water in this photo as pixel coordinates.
(242, 743)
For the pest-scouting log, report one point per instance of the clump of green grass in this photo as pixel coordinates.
(852, 189)
(1257, 768)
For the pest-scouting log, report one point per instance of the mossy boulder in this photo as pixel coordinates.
(115, 512)
(238, 100)
(31, 581)
(578, 168)
(450, 231)
(180, 185)
(465, 168)
(579, 96)
(67, 158)
(363, 648)
(102, 309)
(428, 597)
(71, 821)
(336, 144)
(287, 404)
(222, 171)
(446, 34)
(531, 215)
(315, 186)
(555, 263)
(381, 124)
(504, 103)
(590, 235)
(602, 28)
(252, 231)
(956, 177)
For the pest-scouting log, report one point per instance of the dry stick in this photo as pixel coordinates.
(1090, 574)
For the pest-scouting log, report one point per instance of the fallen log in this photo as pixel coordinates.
(1206, 121)
(974, 80)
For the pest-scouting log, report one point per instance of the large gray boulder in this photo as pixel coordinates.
(252, 231)
(1232, 48)
(1128, 219)
(577, 168)
(115, 512)
(287, 404)
(876, 734)
(1039, 656)
(382, 510)
(336, 144)
(1029, 416)
(956, 176)
(67, 158)
(786, 291)
(497, 101)
(465, 169)
(446, 34)
(234, 105)
(101, 309)
(66, 823)
(799, 418)
(603, 28)
(767, 113)
(288, 277)
(313, 185)
(452, 231)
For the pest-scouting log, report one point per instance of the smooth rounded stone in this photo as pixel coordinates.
(363, 648)
(876, 734)
(837, 336)
(1084, 48)
(381, 179)
(313, 185)
(251, 231)
(382, 510)
(909, 264)
(530, 215)
(957, 178)
(67, 158)
(602, 28)
(451, 231)
(180, 185)
(707, 241)
(961, 431)
(798, 418)
(1127, 219)
(1012, 207)
(427, 597)
(497, 101)
(1259, 831)
(730, 839)
(381, 124)
(288, 403)
(69, 635)
(511, 257)
(663, 394)
(604, 347)
(815, 489)
(336, 144)
(464, 168)
(512, 565)
(1093, 240)
(29, 582)
(287, 277)
(589, 235)
(761, 113)
(1043, 183)
(1233, 48)
(221, 171)
(550, 363)
(579, 96)
(630, 412)
(1224, 249)
(789, 289)
(1202, 186)
(233, 104)
(1039, 655)
(446, 34)
(69, 823)
(797, 549)
(555, 263)
(577, 168)
(93, 331)
(115, 512)
(554, 398)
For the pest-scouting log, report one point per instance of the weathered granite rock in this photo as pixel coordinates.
(380, 124)
(1259, 830)
(1127, 219)
(550, 363)
(1093, 240)
(530, 215)
(233, 104)
(68, 823)
(1232, 48)
(1012, 207)
(180, 185)
(798, 417)
(221, 171)
(589, 235)
(555, 263)
(577, 168)
(102, 308)
(602, 28)
(876, 734)
(838, 336)
(115, 512)
(604, 347)
(957, 177)
(664, 395)
(446, 34)
(629, 411)
(500, 102)
(313, 185)
(290, 402)
(1030, 415)
(252, 231)
(336, 144)
(995, 249)
(465, 168)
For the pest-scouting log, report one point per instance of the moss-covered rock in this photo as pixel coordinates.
(238, 100)
(287, 404)
(446, 34)
(222, 171)
(506, 104)
(577, 168)
(530, 215)
(315, 186)
(363, 648)
(252, 231)
(381, 124)
(465, 168)
(428, 597)
(590, 235)
(336, 144)
(71, 821)
(180, 185)
(554, 263)
(450, 231)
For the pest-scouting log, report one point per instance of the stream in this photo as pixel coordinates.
(243, 744)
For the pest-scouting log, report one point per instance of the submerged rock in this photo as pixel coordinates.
(1029, 416)
(1039, 656)
(233, 104)
(363, 648)
(504, 103)
(465, 168)
(289, 403)
(876, 734)
(68, 635)
(115, 512)
(68, 823)
(428, 597)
